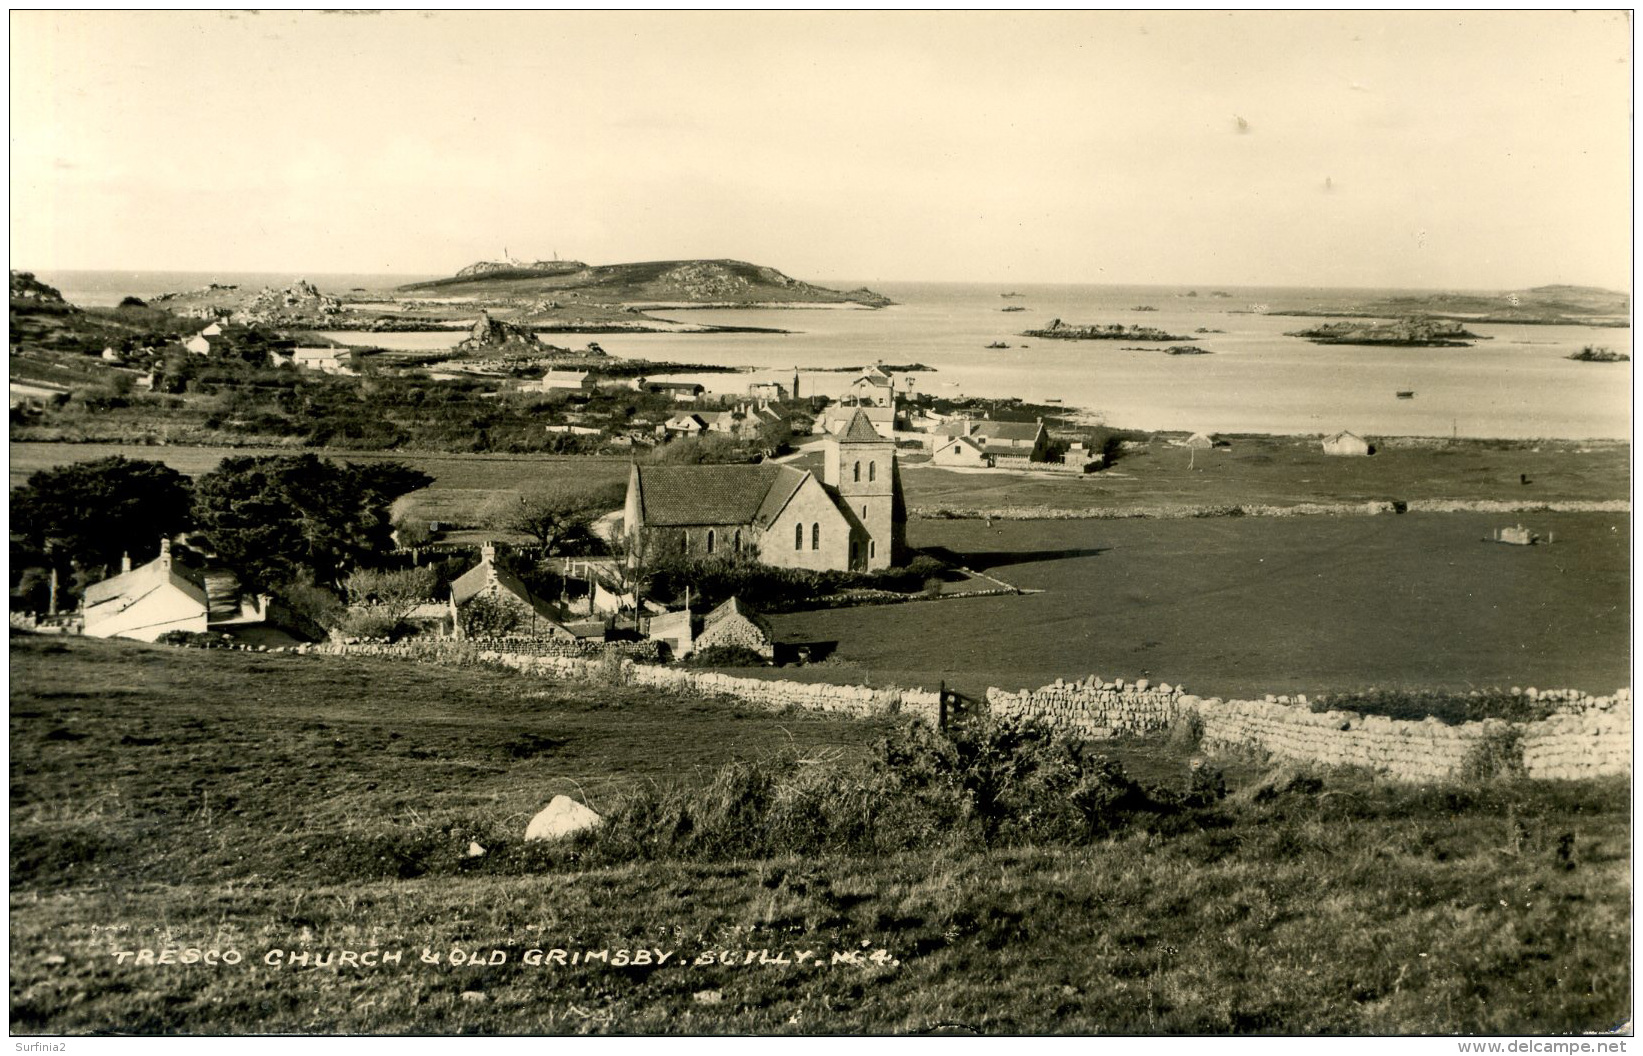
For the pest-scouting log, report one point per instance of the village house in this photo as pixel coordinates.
(961, 451)
(874, 386)
(561, 381)
(685, 425)
(678, 391)
(1348, 444)
(145, 602)
(487, 580)
(854, 518)
(1028, 440)
(767, 390)
(160, 596)
(199, 344)
(328, 360)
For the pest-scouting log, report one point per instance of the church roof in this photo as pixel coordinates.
(860, 428)
(685, 495)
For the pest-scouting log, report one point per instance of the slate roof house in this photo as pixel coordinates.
(853, 518)
(1029, 440)
(490, 581)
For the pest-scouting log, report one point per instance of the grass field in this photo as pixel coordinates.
(1285, 471)
(1279, 471)
(223, 801)
(1239, 605)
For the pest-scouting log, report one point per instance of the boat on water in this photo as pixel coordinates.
(1012, 293)
(998, 344)
(1012, 308)
(1406, 394)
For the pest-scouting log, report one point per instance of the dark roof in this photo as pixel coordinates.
(860, 428)
(736, 607)
(1015, 431)
(684, 495)
(478, 577)
(874, 379)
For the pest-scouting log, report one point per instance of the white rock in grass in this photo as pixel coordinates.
(561, 817)
(474, 850)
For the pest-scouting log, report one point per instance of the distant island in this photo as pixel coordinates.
(1404, 333)
(1541, 305)
(1059, 331)
(1593, 354)
(556, 296)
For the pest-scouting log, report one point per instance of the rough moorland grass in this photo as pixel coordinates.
(1302, 902)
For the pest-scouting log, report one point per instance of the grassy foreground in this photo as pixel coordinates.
(169, 799)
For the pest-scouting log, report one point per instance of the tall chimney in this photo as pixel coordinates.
(165, 553)
(125, 561)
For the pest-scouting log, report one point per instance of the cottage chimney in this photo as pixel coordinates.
(165, 554)
(125, 561)
(795, 383)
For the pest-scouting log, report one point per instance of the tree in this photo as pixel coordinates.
(488, 617)
(271, 517)
(557, 514)
(87, 514)
(392, 594)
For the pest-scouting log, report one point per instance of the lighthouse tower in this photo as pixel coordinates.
(861, 467)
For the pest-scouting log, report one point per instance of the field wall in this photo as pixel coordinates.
(856, 701)
(1587, 737)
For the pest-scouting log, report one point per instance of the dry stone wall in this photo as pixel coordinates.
(1589, 737)
(857, 701)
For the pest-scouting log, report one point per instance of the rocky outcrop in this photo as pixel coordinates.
(540, 267)
(1060, 331)
(1404, 333)
(28, 290)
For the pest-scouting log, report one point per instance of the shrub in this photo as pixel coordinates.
(1497, 753)
(725, 656)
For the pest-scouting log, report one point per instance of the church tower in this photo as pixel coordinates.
(861, 466)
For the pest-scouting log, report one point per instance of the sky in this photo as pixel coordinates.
(1473, 150)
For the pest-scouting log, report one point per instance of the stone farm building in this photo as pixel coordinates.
(854, 518)
(734, 624)
(1028, 440)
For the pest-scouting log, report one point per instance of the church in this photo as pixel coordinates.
(852, 519)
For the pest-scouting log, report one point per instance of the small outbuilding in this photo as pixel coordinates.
(1199, 441)
(1349, 444)
(734, 624)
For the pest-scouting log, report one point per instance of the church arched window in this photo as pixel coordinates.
(815, 536)
(872, 468)
(798, 537)
(858, 472)
(710, 540)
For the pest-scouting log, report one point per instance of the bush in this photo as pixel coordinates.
(725, 656)
(1497, 754)
(983, 784)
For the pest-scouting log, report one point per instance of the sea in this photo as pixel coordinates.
(1514, 383)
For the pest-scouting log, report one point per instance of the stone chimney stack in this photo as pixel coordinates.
(125, 561)
(165, 553)
(487, 555)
